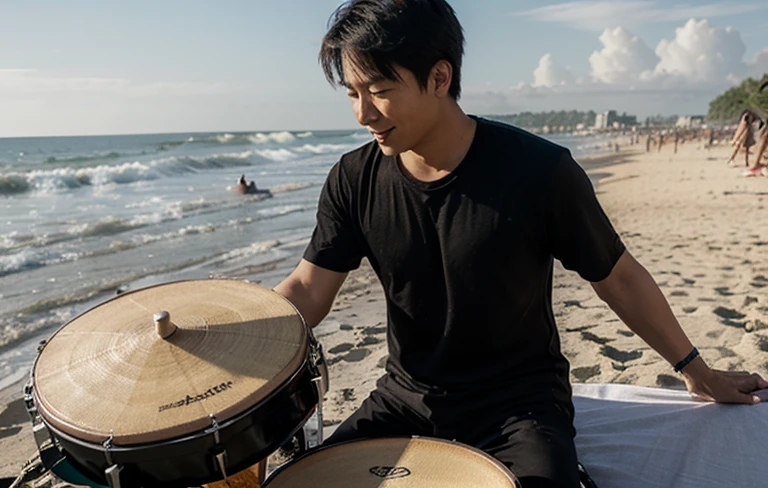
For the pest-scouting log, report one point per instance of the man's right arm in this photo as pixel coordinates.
(311, 289)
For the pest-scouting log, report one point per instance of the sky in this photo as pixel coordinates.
(87, 67)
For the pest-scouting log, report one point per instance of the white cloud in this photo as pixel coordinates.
(683, 74)
(701, 53)
(24, 82)
(759, 64)
(596, 15)
(550, 74)
(624, 59)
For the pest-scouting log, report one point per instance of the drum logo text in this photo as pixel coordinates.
(390, 472)
(193, 399)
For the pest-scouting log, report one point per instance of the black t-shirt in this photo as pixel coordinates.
(466, 261)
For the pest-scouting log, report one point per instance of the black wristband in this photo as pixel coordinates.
(687, 359)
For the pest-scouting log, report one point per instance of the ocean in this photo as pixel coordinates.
(84, 218)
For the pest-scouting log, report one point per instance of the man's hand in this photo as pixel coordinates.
(632, 293)
(722, 386)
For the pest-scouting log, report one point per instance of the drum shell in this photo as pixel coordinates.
(189, 461)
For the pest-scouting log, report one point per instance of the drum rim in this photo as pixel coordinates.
(305, 347)
(225, 424)
(495, 462)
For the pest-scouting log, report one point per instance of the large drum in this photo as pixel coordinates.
(177, 385)
(416, 462)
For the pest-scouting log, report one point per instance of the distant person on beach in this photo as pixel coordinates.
(461, 218)
(248, 188)
(677, 140)
(744, 137)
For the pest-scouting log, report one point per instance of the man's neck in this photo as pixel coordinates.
(443, 149)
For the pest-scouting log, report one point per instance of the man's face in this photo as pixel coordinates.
(399, 114)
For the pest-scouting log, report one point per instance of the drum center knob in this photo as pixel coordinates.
(163, 325)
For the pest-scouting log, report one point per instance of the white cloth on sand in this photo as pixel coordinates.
(638, 437)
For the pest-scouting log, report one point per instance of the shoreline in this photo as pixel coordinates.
(688, 218)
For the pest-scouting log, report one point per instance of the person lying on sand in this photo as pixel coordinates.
(248, 188)
(461, 218)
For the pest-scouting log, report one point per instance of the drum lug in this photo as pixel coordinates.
(221, 461)
(40, 432)
(318, 385)
(221, 453)
(112, 474)
(29, 401)
(108, 449)
(214, 429)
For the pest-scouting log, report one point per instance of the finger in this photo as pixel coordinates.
(761, 382)
(755, 382)
(744, 398)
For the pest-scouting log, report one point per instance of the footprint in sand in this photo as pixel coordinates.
(724, 291)
(344, 347)
(625, 333)
(730, 317)
(356, 355)
(715, 334)
(728, 313)
(679, 294)
(725, 352)
(588, 336)
(759, 281)
(619, 355)
(573, 303)
(690, 309)
(585, 373)
(375, 330)
(368, 341)
(582, 328)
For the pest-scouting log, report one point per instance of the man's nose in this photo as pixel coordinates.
(366, 112)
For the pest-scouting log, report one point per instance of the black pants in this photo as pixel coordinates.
(537, 446)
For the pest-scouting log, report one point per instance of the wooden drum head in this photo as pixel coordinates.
(115, 371)
(395, 463)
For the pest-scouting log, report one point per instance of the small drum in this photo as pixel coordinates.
(177, 385)
(416, 462)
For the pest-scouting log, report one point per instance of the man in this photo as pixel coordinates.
(461, 218)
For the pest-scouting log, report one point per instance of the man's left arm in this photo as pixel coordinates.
(636, 298)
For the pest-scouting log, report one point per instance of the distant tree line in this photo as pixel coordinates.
(727, 107)
(561, 120)
(566, 118)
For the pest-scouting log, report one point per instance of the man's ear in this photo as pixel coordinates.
(441, 76)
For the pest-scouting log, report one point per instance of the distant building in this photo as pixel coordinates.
(690, 121)
(605, 119)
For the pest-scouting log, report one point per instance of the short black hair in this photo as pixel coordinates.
(379, 34)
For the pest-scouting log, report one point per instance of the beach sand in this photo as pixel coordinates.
(689, 218)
